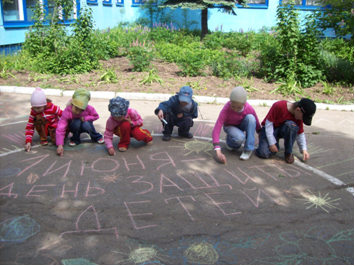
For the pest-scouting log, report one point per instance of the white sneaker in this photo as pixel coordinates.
(245, 155)
(228, 147)
(101, 141)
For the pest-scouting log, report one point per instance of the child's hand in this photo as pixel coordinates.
(111, 151)
(128, 119)
(60, 150)
(273, 148)
(160, 115)
(221, 157)
(28, 146)
(180, 115)
(305, 155)
(82, 119)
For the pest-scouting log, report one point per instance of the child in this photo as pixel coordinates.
(178, 111)
(236, 117)
(78, 116)
(284, 120)
(44, 118)
(126, 123)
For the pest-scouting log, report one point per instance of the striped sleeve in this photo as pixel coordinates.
(30, 127)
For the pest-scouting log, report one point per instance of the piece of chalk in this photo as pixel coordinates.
(164, 121)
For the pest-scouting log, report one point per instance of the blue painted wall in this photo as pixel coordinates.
(109, 16)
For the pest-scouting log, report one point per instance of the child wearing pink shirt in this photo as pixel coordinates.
(77, 117)
(236, 117)
(126, 123)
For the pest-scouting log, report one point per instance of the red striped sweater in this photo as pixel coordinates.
(51, 113)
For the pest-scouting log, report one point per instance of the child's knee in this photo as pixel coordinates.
(125, 126)
(250, 119)
(292, 125)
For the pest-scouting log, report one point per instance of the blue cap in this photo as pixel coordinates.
(185, 94)
(118, 106)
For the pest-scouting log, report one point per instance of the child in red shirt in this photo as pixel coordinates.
(285, 120)
(44, 118)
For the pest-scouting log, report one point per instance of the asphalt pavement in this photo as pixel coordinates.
(173, 202)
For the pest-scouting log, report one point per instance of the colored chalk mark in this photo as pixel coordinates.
(68, 148)
(8, 172)
(196, 146)
(322, 202)
(80, 261)
(18, 229)
(204, 250)
(333, 247)
(146, 253)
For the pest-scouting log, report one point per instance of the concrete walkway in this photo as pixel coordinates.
(173, 203)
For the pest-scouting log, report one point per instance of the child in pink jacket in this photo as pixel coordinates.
(78, 117)
(236, 117)
(126, 123)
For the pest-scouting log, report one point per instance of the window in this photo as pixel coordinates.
(139, 2)
(256, 4)
(119, 2)
(107, 2)
(18, 13)
(310, 4)
(93, 2)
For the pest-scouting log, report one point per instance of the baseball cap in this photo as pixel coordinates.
(308, 108)
(185, 94)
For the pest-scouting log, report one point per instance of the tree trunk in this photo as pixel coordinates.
(204, 26)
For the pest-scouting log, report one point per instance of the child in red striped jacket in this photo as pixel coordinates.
(44, 118)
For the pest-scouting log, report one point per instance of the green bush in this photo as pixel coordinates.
(140, 57)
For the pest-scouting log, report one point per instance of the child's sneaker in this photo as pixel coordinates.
(150, 143)
(101, 141)
(44, 142)
(245, 155)
(72, 144)
(166, 137)
(122, 149)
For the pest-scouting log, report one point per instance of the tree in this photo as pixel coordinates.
(338, 15)
(225, 6)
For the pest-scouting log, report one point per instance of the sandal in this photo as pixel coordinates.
(122, 149)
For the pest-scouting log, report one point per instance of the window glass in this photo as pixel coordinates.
(120, 2)
(31, 4)
(297, 2)
(256, 2)
(312, 3)
(13, 10)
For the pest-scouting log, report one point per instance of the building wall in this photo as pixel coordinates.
(109, 16)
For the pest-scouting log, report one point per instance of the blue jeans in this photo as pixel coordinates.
(236, 136)
(77, 127)
(288, 132)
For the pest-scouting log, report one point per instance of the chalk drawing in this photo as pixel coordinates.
(146, 253)
(32, 178)
(313, 149)
(322, 202)
(18, 229)
(110, 178)
(95, 149)
(8, 172)
(79, 261)
(98, 230)
(196, 146)
(204, 250)
(249, 242)
(203, 130)
(319, 245)
(17, 138)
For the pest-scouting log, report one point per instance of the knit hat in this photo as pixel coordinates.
(81, 98)
(185, 94)
(238, 95)
(118, 106)
(38, 99)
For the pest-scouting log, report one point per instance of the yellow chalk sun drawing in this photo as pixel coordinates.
(201, 253)
(142, 255)
(322, 202)
(196, 146)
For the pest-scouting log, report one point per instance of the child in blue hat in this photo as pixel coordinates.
(178, 111)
